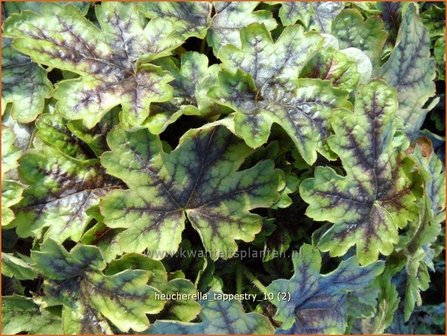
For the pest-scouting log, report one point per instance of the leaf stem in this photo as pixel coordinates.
(254, 280)
(202, 46)
(238, 279)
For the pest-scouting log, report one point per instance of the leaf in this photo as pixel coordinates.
(217, 317)
(10, 152)
(313, 15)
(108, 59)
(180, 309)
(334, 66)
(61, 190)
(230, 18)
(301, 107)
(198, 180)
(423, 233)
(411, 70)
(172, 23)
(190, 85)
(75, 279)
(17, 266)
(374, 199)
(388, 301)
(16, 7)
(367, 35)
(24, 84)
(270, 91)
(390, 13)
(11, 190)
(317, 303)
(268, 61)
(20, 314)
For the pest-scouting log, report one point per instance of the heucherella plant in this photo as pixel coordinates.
(223, 167)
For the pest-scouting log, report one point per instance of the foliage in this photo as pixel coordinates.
(223, 167)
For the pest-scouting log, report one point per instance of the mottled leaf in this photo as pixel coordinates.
(317, 303)
(18, 267)
(390, 13)
(12, 7)
(270, 92)
(20, 314)
(11, 190)
(267, 60)
(217, 317)
(61, 190)
(10, 152)
(24, 84)
(374, 199)
(230, 18)
(301, 107)
(411, 70)
(76, 280)
(423, 233)
(171, 23)
(198, 180)
(367, 35)
(108, 59)
(335, 66)
(313, 15)
(192, 80)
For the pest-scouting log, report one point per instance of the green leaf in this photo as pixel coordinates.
(317, 303)
(171, 23)
(217, 317)
(12, 7)
(388, 301)
(334, 66)
(17, 266)
(76, 280)
(180, 309)
(313, 15)
(11, 195)
(11, 190)
(268, 61)
(20, 314)
(230, 18)
(434, 19)
(270, 92)
(367, 35)
(24, 84)
(190, 85)
(61, 190)
(422, 233)
(10, 152)
(411, 70)
(199, 180)
(301, 107)
(374, 199)
(108, 59)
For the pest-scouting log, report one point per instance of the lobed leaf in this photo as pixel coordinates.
(217, 317)
(411, 70)
(269, 92)
(107, 59)
(190, 85)
(313, 15)
(317, 303)
(76, 280)
(20, 314)
(367, 35)
(230, 18)
(374, 199)
(198, 180)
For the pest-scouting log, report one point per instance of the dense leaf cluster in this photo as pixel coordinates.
(159, 155)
